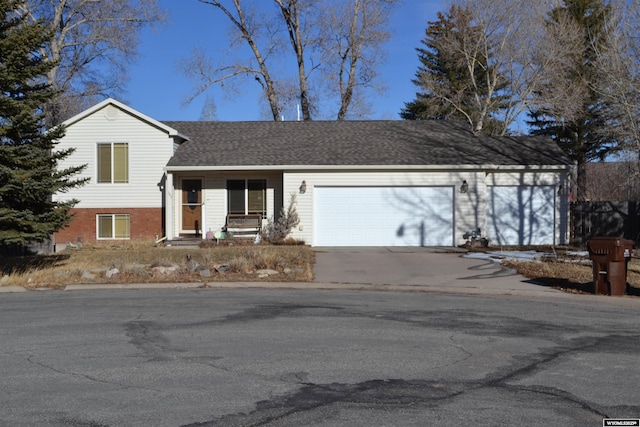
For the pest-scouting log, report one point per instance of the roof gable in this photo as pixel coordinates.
(112, 102)
(355, 143)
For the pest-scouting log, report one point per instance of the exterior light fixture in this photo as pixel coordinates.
(303, 187)
(464, 187)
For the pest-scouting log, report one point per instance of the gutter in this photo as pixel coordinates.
(484, 168)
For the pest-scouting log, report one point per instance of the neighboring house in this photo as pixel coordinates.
(357, 183)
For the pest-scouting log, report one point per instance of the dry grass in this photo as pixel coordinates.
(293, 261)
(135, 261)
(572, 274)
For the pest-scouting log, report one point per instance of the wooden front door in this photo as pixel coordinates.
(192, 206)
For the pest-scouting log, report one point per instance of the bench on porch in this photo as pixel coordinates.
(239, 225)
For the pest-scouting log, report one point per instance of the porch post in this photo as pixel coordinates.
(169, 208)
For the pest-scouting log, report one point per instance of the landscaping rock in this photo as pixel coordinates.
(112, 273)
(138, 269)
(87, 275)
(266, 272)
(165, 271)
(205, 272)
(222, 268)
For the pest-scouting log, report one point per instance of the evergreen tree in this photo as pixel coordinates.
(578, 129)
(28, 162)
(453, 74)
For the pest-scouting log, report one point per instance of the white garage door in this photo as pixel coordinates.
(522, 215)
(383, 216)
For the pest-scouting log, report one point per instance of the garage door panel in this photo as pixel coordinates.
(383, 216)
(521, 215)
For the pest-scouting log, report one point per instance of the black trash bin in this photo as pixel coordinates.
(610, 256)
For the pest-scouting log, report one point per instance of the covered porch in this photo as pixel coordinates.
(201, 203)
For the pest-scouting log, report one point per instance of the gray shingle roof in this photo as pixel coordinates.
(352, 143)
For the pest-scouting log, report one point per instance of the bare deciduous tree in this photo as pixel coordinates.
(612, 181)
(91, 42)
(560, 48)
(248, 29)
(577, 119)
(503, 49)
(479, 52)
(619, 79)
(316, 38)
(532, 57)
(351, 40)
(292, 13)
(511, 61)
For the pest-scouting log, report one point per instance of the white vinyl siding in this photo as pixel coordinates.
(383, 216)
(148, 148)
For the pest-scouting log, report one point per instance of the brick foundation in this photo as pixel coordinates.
(145, 223)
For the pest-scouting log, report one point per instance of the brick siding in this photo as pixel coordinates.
(145, 223)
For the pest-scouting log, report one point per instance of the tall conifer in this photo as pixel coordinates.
(28, 162)
(450, 56)
(579, 134)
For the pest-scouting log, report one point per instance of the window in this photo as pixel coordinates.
(247, 196)
(113, 163)
(114, 226)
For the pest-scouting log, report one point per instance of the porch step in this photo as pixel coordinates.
(184, 241)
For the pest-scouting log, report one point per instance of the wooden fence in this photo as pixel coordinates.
(615, 219)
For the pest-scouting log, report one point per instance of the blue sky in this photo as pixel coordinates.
(157, 88)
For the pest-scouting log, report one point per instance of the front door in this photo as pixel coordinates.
(192, 206)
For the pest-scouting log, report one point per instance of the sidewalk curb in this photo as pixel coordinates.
(545, 293)
(84, 287)
(12, 289)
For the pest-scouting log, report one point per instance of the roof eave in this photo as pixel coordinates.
(487, 167)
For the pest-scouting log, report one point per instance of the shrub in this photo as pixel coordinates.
(280, 229)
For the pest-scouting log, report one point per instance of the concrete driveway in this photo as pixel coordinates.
(423, 269)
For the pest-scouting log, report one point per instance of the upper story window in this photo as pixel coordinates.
(113, 163)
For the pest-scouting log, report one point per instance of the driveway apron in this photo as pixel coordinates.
(436, 268)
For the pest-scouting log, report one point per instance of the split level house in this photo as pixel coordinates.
(354, 183)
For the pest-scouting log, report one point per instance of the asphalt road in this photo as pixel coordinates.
(264, 357)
